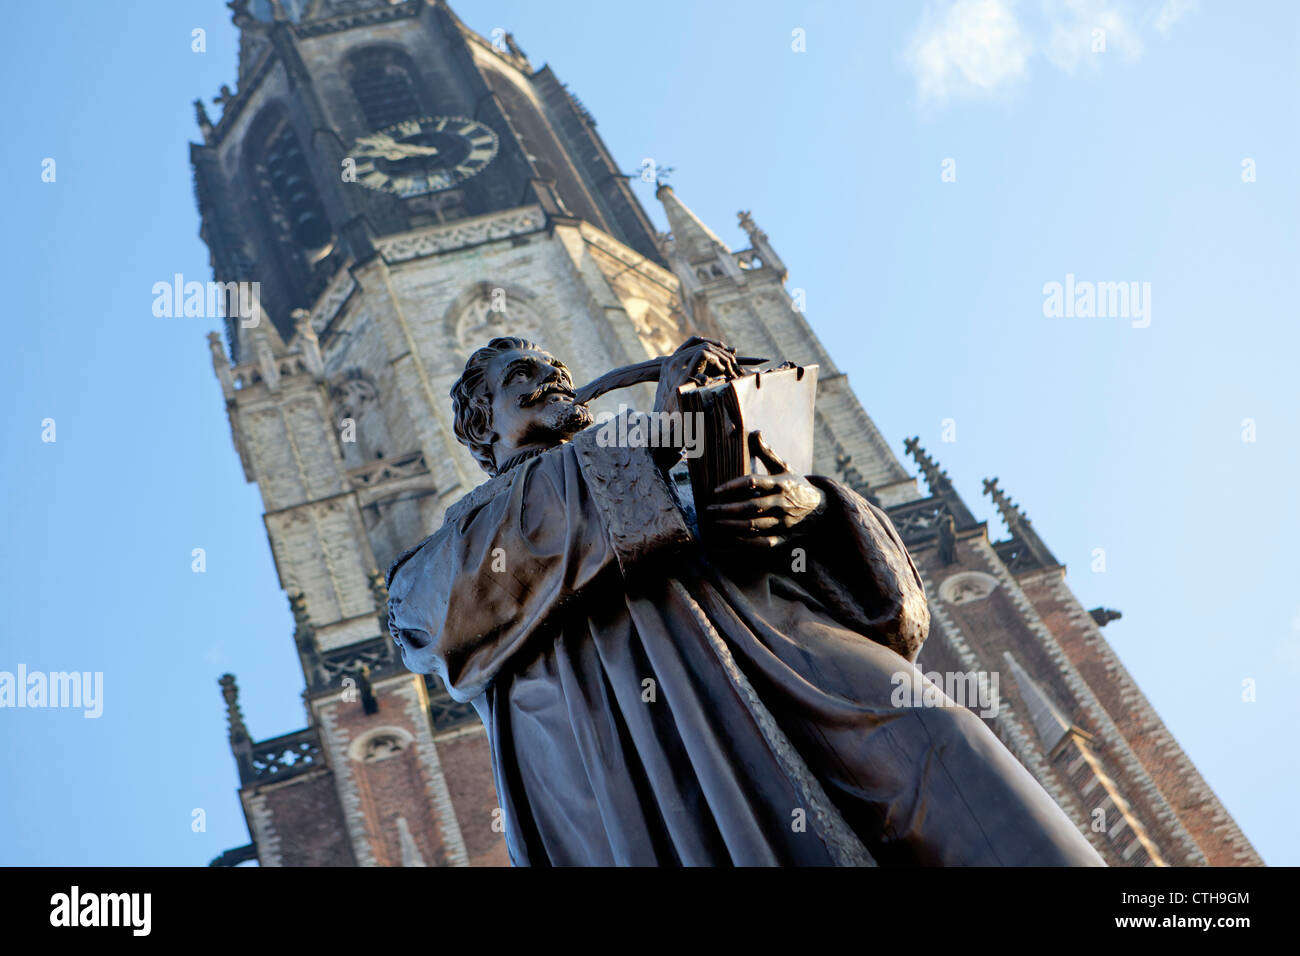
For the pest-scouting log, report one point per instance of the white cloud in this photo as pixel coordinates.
(971, 48)
(1076, 28)
(1172, 12)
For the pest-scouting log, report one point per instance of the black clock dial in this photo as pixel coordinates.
(424, 155)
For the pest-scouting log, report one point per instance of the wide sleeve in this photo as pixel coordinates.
(507, 571)
(858, 565)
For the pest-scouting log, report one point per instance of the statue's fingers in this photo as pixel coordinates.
(710, 360)
(747, 506)
(730, 366)
(721, 360)
(774, 462)
(746, 486)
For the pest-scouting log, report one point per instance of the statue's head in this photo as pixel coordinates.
(514, 396)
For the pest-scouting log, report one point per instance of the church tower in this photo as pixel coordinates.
(397, 190)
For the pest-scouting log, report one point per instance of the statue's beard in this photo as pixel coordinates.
(562, 420)
(555, 418)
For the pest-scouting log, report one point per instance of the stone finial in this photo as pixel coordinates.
(266, 360)
(221, 365)
(935, 477)
(747, 224)
(304, 637)
(1010, 511)
(234, 717)
(760, 244)
(514, 47)
(298, 605)
(1018, 524)
(695, 242)
(304, 633)
(308, 342)
(205, 124)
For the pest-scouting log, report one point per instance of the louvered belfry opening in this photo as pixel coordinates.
(297, 251)
(384, 85)
(291, 184)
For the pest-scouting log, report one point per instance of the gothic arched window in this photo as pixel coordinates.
(295, 226)
(488, 313)
(384, 84)
(380, 744)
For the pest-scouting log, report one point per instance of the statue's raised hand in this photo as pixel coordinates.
(765, 511)
(696, 361)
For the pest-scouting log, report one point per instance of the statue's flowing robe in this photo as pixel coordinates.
(649, 701)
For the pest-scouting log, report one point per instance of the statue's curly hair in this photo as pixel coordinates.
(471, 397)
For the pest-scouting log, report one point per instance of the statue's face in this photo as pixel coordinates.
(532, 402)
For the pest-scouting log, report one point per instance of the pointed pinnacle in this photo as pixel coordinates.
(234, 717)
(1010, 511)
(935, 477)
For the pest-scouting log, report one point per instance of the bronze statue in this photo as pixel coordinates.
(658, 696)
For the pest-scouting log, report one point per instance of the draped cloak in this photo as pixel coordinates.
(651, 702)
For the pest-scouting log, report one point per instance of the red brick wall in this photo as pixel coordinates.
(394, 786)
(466, 761)
(308, 821)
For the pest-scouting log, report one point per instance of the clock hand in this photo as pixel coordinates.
(414, 149)
(380, 145)
(383, 145)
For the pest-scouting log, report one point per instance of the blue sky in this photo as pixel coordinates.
(1119, 165)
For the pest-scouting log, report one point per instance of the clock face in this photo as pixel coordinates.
(424, 155)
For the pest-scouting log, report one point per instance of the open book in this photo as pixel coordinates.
(778, 403)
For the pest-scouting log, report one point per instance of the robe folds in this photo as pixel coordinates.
(651, 701)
